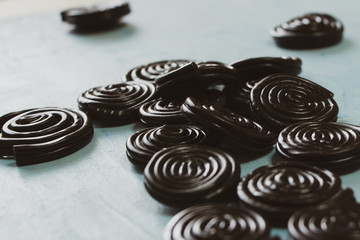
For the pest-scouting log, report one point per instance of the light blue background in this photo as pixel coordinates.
(95, 193)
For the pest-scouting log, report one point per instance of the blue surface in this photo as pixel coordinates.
(95, 193)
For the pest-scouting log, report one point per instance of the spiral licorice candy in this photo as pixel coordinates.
(163, 111)
(189, 174)
(142, 145)
(116, 103)
(326, 222)
(43, 134)
(153, 70)
(330, 145)
(278, 190)
(280, 100)
(217, 221)
(312, 30)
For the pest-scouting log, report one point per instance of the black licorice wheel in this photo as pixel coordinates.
(98, 16)
(331, 145)
(312, 30)
(217, 221)
(257, 68)
(279, 100)
(326, 222)
(279, 190)
(151, 71)
(234, 129)
(184, 175)
(163, 111)
(116, 103)
(43, 134)
(142, 145)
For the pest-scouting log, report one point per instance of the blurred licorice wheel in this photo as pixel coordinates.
(217, 221)
(151, 71)
(256, 68)
(326, 222)
(142, 145)
(116, 103)
(184, 175)
(43, 134)
(218, 73)
(280, 100)
(279, 190)
(331, 145)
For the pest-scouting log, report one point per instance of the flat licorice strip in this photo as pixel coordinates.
(43, 134)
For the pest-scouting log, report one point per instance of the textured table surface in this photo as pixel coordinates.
(95, 193)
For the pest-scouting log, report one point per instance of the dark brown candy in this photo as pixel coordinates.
(326, 222)
(43, 134)
(97, 16)
(239, 97)
(280, 100)
(189, 174)
(313, 30)
(116, 103)
(256, 68)
(154, 70)
(234, 129)
(279, 190)
(142, 145)
(331, 145)
(180, 82)
(217, 221)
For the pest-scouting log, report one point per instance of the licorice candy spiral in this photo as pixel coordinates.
(142, 145)
(217, 221)
(43, 134)
(329, 145)
(116, 103)
(184, 175)
(279, 190)
(280, 100)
